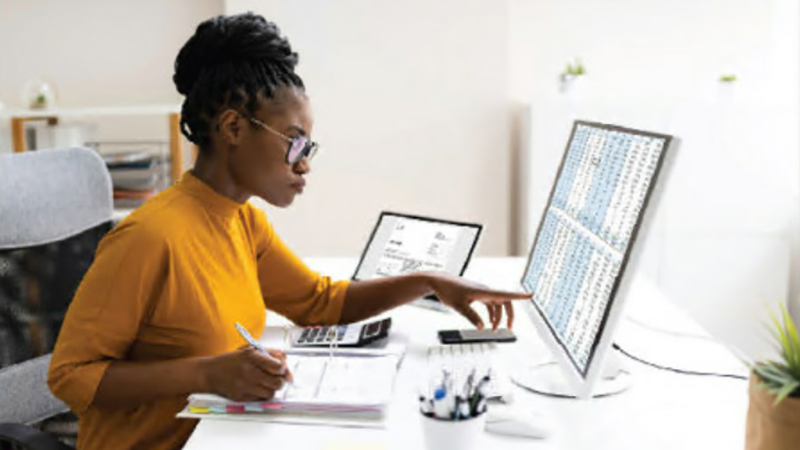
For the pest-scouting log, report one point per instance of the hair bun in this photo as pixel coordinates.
(230, 39)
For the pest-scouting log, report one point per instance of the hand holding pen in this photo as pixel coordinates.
(251, 373)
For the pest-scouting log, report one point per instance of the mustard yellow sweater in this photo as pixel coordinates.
(169, 282)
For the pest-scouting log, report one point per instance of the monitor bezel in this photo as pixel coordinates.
(583, 380)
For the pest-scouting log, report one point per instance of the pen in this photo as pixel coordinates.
(468, 385)
(253, 343)
(247, 337)
(479, 396)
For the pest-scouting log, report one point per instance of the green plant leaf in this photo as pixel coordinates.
(790, 345)
(786, 390)
(792, 336)
(781, 378)
(772, 374)
(781, 336)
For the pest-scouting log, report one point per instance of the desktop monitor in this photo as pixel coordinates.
(586, 240)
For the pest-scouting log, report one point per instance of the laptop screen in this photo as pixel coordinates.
(401, 244)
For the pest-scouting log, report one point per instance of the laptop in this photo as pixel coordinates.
(401, 244)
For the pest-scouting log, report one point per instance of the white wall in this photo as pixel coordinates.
(411, 107)
(732, 202)
(98, 53)
(411, 111)
(649, 48)
(412, 97)
(787, 33)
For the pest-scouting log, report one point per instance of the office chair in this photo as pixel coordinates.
(55, 206)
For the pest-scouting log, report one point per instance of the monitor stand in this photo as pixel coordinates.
(548, 379)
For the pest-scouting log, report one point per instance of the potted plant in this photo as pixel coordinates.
(773, 418)
(573, 72)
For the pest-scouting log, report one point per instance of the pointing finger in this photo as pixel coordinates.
(488, 296)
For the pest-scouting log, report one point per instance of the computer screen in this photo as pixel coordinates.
(587, 232)
(401, 244)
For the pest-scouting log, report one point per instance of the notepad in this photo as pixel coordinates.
(354, 387)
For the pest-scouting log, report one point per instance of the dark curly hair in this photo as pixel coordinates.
(231, 61)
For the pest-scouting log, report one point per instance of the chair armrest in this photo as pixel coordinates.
(29, 438)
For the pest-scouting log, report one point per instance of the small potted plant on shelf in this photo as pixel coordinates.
(37, 94)
(773, 418)
(573, 72)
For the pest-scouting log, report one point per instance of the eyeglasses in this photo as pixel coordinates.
(299, 147)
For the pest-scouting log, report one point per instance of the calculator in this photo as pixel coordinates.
(353, 335)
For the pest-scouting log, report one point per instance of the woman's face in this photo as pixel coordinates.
(257, 161)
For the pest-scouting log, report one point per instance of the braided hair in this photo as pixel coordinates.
(231, 62)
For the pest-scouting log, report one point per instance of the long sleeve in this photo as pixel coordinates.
(109, 307)
(289, 287)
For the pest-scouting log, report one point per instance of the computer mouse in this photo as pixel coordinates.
(518, 422)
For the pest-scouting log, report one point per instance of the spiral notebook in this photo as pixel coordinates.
(345, 388)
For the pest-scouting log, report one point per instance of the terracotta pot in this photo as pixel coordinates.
(769, 426)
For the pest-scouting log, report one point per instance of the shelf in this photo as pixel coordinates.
(19, 116)
(93, 111)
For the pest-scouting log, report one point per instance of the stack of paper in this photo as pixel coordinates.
(356, 386)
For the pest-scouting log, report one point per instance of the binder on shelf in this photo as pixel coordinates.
(138, 169)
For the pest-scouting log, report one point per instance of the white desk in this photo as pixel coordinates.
(661, 410)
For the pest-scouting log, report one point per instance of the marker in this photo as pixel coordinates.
(440, 408)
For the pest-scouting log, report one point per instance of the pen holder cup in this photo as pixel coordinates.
(465, 434)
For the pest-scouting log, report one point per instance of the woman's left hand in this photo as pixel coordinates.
(459, 294)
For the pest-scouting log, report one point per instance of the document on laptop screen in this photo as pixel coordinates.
(401, 245)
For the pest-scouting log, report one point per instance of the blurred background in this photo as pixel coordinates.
(461, 109)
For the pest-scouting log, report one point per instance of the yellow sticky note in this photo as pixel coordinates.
(198, 410)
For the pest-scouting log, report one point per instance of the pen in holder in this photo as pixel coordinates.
(453, 417)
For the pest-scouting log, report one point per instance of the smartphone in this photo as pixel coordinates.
(470, 336)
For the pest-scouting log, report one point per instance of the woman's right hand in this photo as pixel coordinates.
(246, 374)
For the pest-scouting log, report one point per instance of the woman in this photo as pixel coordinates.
(153, 319)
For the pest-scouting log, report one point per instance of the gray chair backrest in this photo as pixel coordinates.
(49, 195)
(25, 397)
(46, 196)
